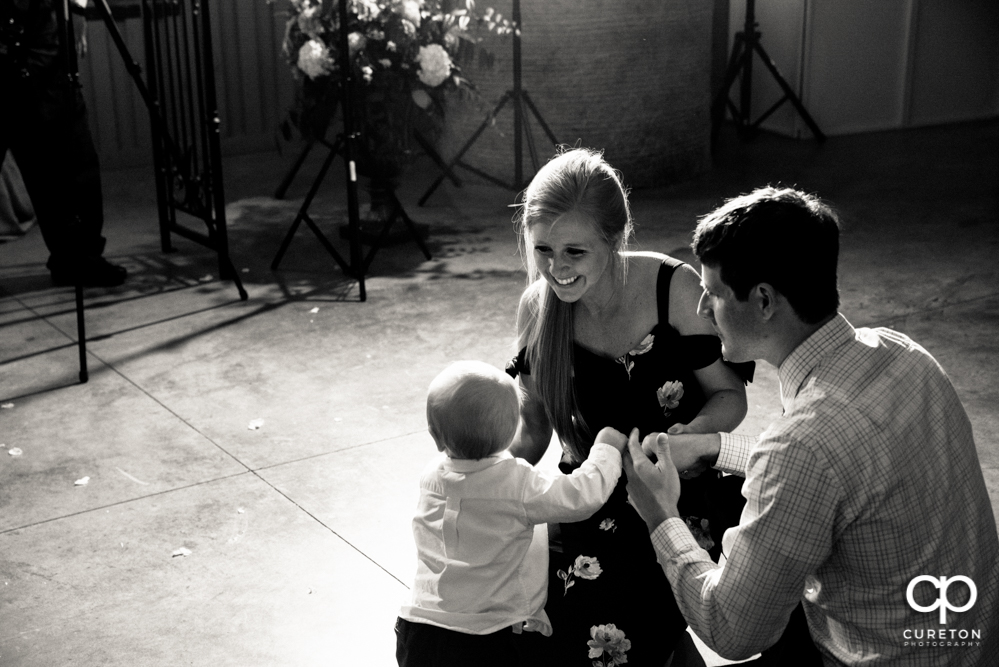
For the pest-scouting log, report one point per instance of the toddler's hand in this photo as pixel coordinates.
(612, 437)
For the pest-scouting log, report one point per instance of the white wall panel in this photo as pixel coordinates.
(863, 65)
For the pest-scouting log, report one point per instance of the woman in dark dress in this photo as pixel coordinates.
(612, 338)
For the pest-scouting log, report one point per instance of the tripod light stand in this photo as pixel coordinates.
(746, 44)
(518, 97)
(356, 266)
(67, 40)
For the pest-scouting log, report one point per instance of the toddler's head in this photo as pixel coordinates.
(473, 410)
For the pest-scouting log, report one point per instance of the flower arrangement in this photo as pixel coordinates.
(403, 56)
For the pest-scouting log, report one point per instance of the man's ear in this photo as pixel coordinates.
(767, 300)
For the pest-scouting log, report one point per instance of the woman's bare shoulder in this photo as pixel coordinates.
(643, 269)
(645, 257)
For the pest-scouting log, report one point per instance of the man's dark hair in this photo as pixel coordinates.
(784, 237)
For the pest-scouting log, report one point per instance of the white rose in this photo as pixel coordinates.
(435, 65)
(366, 10)
(356, 42)
(409, 10)
(314, 59)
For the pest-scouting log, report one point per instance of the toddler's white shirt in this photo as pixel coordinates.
(482, 541)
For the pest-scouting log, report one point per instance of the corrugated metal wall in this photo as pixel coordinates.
(254, 86)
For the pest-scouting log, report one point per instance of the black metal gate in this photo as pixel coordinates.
(187, 156)
(179, 92)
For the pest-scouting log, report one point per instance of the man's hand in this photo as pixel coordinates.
(653, 488)
(692, 453)
(612, 437)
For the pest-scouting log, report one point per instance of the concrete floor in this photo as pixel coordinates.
(298, 532)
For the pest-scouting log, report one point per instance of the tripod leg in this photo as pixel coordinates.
(468, 144)
(303, 211)
(81, 334)
(805, 116)
(326, 243)
(290, 176)
(538, 117)
(721, 101)
(135, 71)
(243, 296)
(377, 244)
(436, 157)
(531, 148)
(744, 122)
(401, 212)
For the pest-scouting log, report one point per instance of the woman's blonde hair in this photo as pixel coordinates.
(575, 181)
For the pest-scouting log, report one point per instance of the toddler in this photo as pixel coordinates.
(480, 529)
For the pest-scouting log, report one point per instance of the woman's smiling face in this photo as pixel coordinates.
(572, 255)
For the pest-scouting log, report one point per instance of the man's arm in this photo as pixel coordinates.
(695, 453)
(742, 607)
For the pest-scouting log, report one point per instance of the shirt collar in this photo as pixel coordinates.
(796, 367)
(475, 465)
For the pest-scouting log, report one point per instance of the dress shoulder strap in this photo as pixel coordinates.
(666, 270)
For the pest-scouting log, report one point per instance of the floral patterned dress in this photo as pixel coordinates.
(608, 599)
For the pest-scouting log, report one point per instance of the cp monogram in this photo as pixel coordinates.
(943, 603)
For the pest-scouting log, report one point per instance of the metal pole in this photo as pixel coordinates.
(518, 106)
(746, 91)
(347, 107)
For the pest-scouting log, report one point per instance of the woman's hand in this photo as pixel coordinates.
(612, 437)
(653, 487)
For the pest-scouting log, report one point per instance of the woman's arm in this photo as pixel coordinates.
(725, 392)
(535, 431)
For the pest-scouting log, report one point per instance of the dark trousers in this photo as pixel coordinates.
(43, 122)
(423, 645)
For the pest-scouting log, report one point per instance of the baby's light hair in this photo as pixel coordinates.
(473, 409)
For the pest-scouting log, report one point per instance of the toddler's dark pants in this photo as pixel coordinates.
(424, 645)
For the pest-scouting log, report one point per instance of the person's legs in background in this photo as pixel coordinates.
(43, 122)
(16, 214)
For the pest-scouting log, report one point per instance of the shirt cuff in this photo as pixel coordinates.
(607, 449)
(672, 538)
(733, 456)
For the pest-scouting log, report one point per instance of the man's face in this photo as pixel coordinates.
(736, 322)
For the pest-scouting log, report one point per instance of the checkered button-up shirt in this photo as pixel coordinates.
(869, 480)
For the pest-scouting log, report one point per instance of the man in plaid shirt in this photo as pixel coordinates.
(865, 501)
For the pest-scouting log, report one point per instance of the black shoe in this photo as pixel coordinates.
(90, 272)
